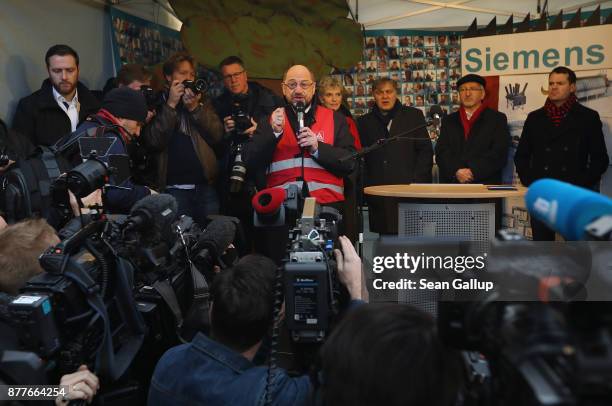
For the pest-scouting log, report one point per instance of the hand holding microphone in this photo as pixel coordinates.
(308, 140)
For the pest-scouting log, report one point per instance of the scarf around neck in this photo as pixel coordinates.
(469, 123)
(558, 114)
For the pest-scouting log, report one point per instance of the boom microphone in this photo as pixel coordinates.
(153, 212)
(217, 236)
(566, 208)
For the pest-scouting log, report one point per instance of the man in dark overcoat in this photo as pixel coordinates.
(562, 140)
(474, 141)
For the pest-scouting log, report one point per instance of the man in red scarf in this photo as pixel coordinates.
(474, 141)
(120, 119)
(561, 140)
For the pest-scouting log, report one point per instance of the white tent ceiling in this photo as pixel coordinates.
(455, 14)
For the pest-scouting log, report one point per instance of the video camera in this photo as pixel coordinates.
(546, 328)
(120, 292)
(310, 274)
(299, 235)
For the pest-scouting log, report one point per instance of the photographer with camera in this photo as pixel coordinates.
(220, 369)
(121, 117)
(241, 106)
(143, 155)
(20, 246)
(183, 131)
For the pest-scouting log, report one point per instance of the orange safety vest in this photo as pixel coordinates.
(286, 166)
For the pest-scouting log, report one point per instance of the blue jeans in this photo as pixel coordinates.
(196, 203)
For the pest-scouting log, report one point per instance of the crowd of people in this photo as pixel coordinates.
(180, 142)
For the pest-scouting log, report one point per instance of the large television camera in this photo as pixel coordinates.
(310, 273)
(300, 236)
(544, 329)
(118, 293)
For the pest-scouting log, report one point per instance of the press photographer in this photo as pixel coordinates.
(117, 124)
(183, 133)
(242, 105)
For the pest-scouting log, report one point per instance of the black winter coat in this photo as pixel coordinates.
(403, 161)
(574, 152)
(485, 152)
(42, 121)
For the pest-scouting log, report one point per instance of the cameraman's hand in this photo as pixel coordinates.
(228, 124)
(349, 268)
(5, 167)
(191, 100)
(82, 384)
(177, 90)
(249, 131)
(92, 199)
(277, 120)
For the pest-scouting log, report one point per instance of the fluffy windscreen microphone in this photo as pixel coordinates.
(153, 213)
(217, 236)
(268, 201)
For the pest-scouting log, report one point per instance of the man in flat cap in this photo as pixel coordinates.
(119, 122)
(474, 141)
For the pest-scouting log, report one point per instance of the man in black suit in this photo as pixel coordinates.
(562, 140)
(474, 141)
(407, 160)
(60, 105)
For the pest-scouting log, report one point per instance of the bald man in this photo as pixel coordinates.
(286, 150)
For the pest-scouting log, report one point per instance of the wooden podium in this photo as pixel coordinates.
(472, 211)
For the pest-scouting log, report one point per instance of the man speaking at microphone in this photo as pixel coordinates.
(302, 143)
(474, 141)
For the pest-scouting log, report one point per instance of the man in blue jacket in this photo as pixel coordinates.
(219, 370)
(120, 119)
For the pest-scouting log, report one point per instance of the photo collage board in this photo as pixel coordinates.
(425, 65)
(136, 40)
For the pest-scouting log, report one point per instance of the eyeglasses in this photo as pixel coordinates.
(305, 84)
(470, 89)
(233, 75)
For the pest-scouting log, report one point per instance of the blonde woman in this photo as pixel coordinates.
(332, 95)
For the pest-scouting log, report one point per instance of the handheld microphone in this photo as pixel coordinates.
(566, 208)
(154, 211)
(299, 109)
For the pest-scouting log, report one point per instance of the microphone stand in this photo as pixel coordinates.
(359, 158)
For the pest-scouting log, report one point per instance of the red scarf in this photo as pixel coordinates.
(557, 114)
(105, 114)
(469, 123)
